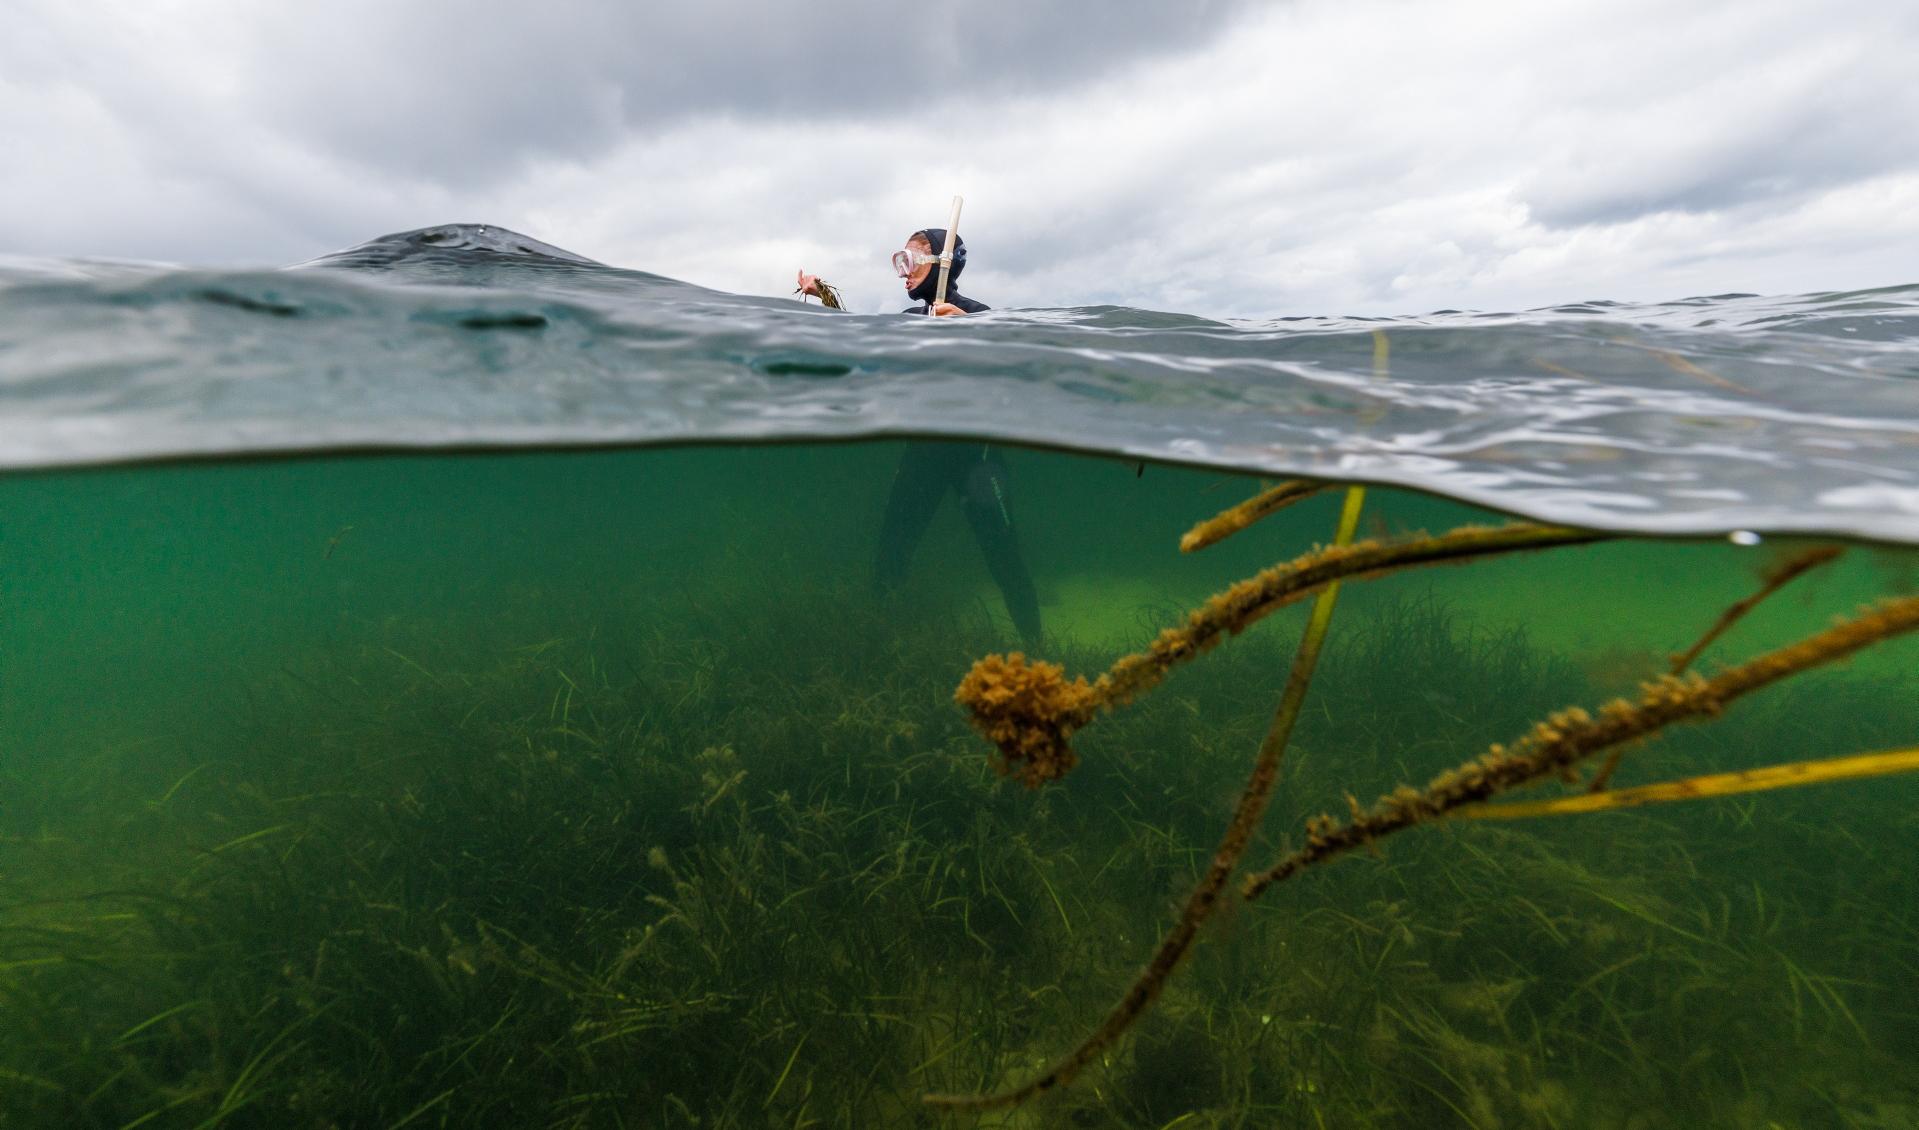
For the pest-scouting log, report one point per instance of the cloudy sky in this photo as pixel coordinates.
(1225, 157)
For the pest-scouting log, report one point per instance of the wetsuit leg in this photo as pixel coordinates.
(926, 472)
(986, 500)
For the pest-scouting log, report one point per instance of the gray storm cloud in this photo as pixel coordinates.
(456, 91)
(1238, 157)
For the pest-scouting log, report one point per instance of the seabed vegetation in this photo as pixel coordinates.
(667, 868)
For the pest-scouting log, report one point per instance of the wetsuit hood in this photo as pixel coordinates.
(936, 238)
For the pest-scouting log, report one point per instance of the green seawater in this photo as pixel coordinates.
(603, 789)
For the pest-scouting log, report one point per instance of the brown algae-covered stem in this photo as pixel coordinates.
(1030, 711)
(1565, 738)
(1244, 604)
(1230, 521)
(1204, 897)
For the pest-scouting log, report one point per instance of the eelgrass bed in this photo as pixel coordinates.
(663, 870)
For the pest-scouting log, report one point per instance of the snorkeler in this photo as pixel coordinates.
(974, 472)
(915, 263)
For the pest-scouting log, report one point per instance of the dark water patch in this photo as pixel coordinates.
(487, 320)
(250, 304)
(798, 367)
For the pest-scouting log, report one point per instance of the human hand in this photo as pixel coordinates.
(947, 310)
(808, 284)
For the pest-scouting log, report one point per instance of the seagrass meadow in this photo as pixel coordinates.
(603, 789)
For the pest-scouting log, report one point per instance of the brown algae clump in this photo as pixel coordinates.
(1029, 711)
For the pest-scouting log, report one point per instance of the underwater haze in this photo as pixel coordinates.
(454, 683)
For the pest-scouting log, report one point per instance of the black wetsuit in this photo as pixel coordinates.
(973, 472)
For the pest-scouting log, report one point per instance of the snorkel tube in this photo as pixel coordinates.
(946, 254)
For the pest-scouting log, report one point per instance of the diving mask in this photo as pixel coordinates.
(910, 259)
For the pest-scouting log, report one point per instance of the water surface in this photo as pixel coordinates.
(1698, 416)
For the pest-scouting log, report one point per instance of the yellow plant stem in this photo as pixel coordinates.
(1787, 776)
